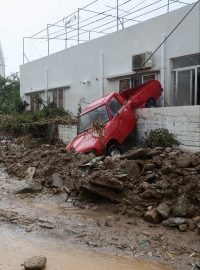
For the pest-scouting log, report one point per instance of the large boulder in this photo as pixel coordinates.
(35, 263)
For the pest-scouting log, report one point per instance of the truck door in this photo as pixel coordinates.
(123, 119)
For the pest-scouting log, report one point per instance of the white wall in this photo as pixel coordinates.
(67, 132)
(111, 55)
(184, 122)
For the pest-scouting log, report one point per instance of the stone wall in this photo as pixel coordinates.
(183, 121)
(67, 132)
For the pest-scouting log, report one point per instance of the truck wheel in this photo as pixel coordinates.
(114, 150)
(151, 103)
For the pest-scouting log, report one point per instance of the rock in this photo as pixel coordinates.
(195, 161)
(173, 153)
(107, 182)
(109, 221)
(168, 149)
(197, 264)
(144, 242)
(141, 153)
(62, 197)
(29, 188)
(35, 263)
(69, 183)
(162, 184)
(181, 207)
(192, 225)
(149, 167)
(198, 169)
(173, 222)
(164, 210)
(56, 180)
(184, 160)
(152, 216)
(46, 224)
(156, 151)
(150, 177)
(29, 173)
(130, 167)
(30, 228)
(103, 192)
(45, 153)
(158, 162)
(167, 168)
(182, 227)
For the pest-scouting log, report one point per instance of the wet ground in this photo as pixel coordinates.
(16, 247)
(86, 236)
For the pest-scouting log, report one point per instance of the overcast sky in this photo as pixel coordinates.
(19, 18)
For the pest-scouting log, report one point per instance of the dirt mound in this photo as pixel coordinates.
(160, 185)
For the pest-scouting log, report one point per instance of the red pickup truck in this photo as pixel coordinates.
(116, 112)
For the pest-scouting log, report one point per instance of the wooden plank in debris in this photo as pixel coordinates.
(111, 195)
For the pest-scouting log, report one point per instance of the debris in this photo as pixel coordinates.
(136, 180)
(141, 153)
(29, 173)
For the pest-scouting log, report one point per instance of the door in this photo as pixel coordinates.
(184, 88)
(123, 120)
(187, 86)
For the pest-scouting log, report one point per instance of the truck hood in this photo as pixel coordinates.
(83, 142)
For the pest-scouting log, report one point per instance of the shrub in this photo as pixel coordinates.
(160, 138)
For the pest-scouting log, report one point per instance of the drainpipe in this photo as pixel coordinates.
(47, 84)
(102, 74)
(162, 70)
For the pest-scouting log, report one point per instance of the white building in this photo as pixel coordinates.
(92, 69)
(2, 63)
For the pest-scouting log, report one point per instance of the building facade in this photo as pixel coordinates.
(2, 62)
(83, 73)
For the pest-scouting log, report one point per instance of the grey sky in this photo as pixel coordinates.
(24, 17)
(21, 18)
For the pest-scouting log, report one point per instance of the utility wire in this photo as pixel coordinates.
(171, 33)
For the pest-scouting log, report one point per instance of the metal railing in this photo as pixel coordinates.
(88, 23)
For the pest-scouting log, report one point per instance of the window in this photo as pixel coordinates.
(124, 84)
(134, 81)
(34, 102)
(186, 80)
(58, 97)
(85, 121)
(114, 106)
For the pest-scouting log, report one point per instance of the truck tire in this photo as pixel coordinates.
(151, 103)
(114, 150)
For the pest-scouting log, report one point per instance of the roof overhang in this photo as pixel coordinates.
(132, 74)
(66, 86)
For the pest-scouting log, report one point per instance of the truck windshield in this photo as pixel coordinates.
(85, 121)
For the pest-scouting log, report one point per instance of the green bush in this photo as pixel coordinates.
(160, 138)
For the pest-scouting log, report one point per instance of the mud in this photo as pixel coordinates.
(15, 247)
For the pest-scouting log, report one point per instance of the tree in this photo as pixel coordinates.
(10, 100)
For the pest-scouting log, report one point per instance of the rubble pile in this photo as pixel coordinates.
(159, 185)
